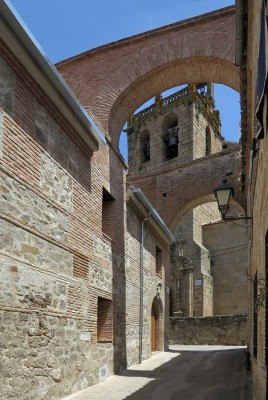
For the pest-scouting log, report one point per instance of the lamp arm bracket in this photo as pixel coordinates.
(236, 218)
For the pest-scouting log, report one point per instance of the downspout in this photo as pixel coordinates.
(240, 61)
(141, 287)
(156, 219)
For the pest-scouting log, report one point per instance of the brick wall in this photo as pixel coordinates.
(135, 69)
(51, 200)
(171, 194)
(195, 117)
(60, 253)
(152, 281)
(105, 321)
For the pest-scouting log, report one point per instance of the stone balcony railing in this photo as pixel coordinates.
(175, 97)
(144, 113)
(163, 103)
(159, 104)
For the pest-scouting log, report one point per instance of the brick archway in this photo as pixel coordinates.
(113, 80)
(190, 70)
(197, 202)
(171, 194)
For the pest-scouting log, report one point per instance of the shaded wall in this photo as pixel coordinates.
(218, 330)
(227, 244)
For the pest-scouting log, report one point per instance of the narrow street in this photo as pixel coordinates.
(185, 372)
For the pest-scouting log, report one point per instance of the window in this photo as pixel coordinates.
(108, 204)
(145, 146)
(208, 141)
(105, 320)
(170, 137)
(158, 261)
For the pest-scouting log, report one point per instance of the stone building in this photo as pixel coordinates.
(253, 51)
(84, 290)
(71, 243)
(174, 131)
(181, 127)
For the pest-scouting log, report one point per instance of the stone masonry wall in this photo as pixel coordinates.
(163, 182)
(193, 294)
(151, 282)
(200, 125)
(219, 254)
(217, 330)
(48, 356)
(258, 264)
(57, 262)
(190, 227)
(192, 121)
(207, 212)
(52, 269)
(258, 199)
(227, 244)
(156, 126)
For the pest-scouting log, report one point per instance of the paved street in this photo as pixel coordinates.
(185, 372)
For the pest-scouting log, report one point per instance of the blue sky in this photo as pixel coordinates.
(68, 27)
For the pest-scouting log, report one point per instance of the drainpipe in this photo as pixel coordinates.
(156, 219)
(141, 287)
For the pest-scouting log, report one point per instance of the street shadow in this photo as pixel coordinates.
(210, 350)
(116, 233)
(196, 375)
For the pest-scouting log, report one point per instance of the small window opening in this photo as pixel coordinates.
(145, 146)
(158, 261)
(171, 142)
(108, 203)
(105, 320)
(170, 136)
(208, 141)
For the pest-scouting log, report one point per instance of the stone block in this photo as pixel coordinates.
(27, 247)
(56, 183)
(102, 248)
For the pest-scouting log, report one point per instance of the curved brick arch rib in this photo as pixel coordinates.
(108, 80)
(197, 202)
(190, 70)
(176, 191)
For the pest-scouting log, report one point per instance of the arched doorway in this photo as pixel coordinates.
(154, 328)
(156, 322)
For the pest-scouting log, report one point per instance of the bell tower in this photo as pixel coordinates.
(171, 132)
(176, 129)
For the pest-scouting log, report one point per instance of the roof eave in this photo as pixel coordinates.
(147, 211)
(20, 40)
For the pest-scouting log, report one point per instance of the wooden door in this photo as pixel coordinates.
(153, 329)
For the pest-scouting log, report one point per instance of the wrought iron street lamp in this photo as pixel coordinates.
(223, 194)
